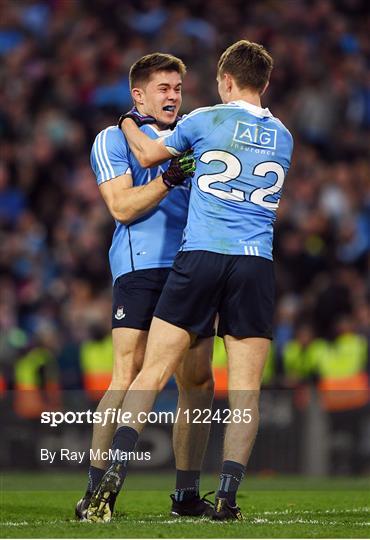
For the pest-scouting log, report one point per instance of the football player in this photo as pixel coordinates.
(225, 263)
(150, 207)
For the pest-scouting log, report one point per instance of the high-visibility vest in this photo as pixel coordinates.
(344, 382)
(300, 362)
(32, 394)
(220, 367)
(269, 371)
(96, 359)
(15, 340)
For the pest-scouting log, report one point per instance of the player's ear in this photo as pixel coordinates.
(228, 82)
(266, 86)
(138, 95)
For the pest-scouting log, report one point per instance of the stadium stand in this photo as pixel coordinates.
(64, 76)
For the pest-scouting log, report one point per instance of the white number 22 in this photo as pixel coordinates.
(232, 171)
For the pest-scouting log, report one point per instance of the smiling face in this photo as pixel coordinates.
(160, 96)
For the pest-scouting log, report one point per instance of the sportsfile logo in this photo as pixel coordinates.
(255, 135)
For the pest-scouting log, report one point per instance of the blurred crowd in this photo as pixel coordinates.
(64, 76)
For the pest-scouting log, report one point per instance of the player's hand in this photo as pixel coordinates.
(139, 119)
(181, 167)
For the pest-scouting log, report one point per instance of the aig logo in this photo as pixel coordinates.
(255, 135)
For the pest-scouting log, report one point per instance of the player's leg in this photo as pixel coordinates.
(246, 360)
(194, 380)
(135, 296)
(166, 348)
(128, 356)
(246, 315)
(182, 313)
(186, 309)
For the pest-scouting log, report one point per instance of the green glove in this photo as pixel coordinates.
(181, 167)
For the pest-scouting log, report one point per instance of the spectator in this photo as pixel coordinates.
(63, 71)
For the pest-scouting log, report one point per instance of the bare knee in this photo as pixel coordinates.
(202, 382)
(128, 354)
(246, 398)
(150, 379)
(125, 370)
(120, 385)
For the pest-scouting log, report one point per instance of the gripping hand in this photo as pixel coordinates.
(139, 119)
(181, 167)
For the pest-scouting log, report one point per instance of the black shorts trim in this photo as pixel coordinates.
(192, 329)
(135, 296)
(202, 284)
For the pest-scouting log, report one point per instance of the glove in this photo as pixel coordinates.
(180, 168)
(139, 119)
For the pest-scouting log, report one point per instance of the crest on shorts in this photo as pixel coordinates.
(119, 313)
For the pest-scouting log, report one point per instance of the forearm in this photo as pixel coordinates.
(146, 150)
(137, 201)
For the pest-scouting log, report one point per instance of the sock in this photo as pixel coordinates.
(187, 485)
(230, 478)
(124, 440)
(95, 475)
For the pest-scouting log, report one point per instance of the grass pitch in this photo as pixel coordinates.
(42, 506)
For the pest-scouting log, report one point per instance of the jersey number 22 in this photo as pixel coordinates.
(232, 171)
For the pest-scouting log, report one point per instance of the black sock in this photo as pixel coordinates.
(230, 478)
(124, 441)
(95, 475)
(187, 485)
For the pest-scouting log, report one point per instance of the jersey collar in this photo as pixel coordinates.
(160, 133)
(257, 111)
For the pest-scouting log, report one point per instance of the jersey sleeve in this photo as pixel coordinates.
(109, 155)
(182, 138)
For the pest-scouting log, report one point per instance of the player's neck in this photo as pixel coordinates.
(158, 125)
(245, 95)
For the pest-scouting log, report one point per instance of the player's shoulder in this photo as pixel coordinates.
(206, 111)
(111, 142)
(110, 134)
(283, 129)
(264, 118)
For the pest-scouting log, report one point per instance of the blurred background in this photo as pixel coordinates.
(63, 77)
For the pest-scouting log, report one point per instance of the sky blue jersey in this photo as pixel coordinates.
(153, 240)
(242, 154)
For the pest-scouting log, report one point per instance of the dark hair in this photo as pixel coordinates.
(142, 70)
(248, 63)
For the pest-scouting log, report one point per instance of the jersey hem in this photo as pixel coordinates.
(226, 252)
(143, 267)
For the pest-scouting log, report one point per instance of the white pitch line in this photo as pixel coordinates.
(13, 523)
(331, 511)
(257, 520)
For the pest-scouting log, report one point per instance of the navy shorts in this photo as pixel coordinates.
(240, 288)
(135, 296)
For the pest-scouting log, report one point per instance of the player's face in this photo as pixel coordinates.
(162, 96)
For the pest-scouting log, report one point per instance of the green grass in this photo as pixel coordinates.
(42, 506)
